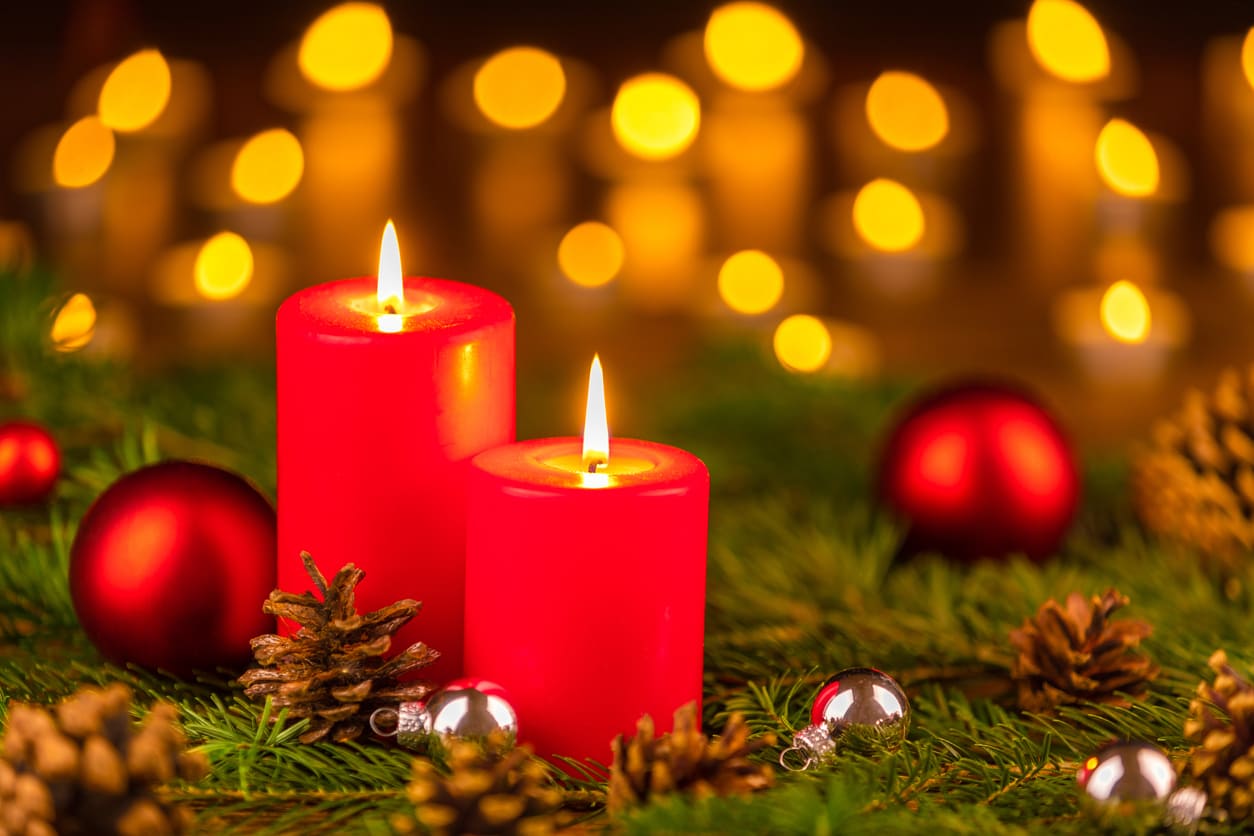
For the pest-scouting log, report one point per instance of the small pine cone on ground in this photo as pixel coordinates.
(334, 670)
(1077, 654)
(1221, 723)
(84, 768)
(686, 761)
(482, 793)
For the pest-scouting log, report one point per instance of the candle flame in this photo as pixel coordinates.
(1126, 312)
(596, 430)
(391, 286)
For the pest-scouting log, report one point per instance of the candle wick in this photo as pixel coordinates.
(595, 465)
(390, 308)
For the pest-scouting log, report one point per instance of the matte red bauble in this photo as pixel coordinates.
(171, 566)
(29, 463)
(980, 470)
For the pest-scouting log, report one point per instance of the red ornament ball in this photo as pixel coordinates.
(171, 566)
(29, 463)
(980, 470)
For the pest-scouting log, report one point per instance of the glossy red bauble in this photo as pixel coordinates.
(980, 470)
(171, 566)
(29, 463)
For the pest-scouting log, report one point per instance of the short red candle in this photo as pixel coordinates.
(378, 417)
(585, 592)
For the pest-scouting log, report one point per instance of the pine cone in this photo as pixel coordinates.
(687, 761)
(83, 768)
(1221, 722)
(1078, 655)
(333, 670)
(1195, 483)
(484, 793)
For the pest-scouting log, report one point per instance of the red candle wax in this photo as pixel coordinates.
(378, 416)
(585, 592)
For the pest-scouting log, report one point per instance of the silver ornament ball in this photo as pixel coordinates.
(468, 710)
(863, 701)
(1127, 771)
(858, 708)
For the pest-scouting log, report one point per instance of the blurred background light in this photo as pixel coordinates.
(224, 266)
(83, 154)
(888, 216)
(655, 116)
(1126, 159)
(268, 166)
(136, 92)
(590, 254)
(1247, 56)
(1067, 41)
(75, 323)
(1125, 312)
(1232, 238)
(802, 343)
(347, 47)
(750, 282)
(663, 227)
(906, 112)
(753, 46)
(520, 87)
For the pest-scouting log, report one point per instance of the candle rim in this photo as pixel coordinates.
(326, 309)
(522, 465)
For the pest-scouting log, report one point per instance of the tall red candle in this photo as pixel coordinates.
(585, 592)
(385, 391)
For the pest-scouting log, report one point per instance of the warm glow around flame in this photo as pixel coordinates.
(1247, 56)
(1126, 159)
(75, 323)
(136, 92)
(1126, 313)
(753, 46)
(1068, 41)
(347, 47)
(596, 429)
(391, 286)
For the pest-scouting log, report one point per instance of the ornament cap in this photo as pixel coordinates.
(812, 745)
(409, 723)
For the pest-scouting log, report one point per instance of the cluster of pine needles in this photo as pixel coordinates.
(801, 583)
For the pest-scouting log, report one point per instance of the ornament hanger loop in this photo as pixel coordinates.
(385, 722)
(795, 759)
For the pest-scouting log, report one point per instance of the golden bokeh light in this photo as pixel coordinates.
(906, 112)
(753, 46)
(268, 166)
(888, 216)
(347, 47)
(136, 92)
(1125, 312)
(83, 154)
(590, 254)
(1232, 238)
(1247, 56)
(655, 116)
(750, 282)
(520, 87)
(75, 323)
(802, 343)
(1126, 159)
(224, 266)
(1067, 41)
